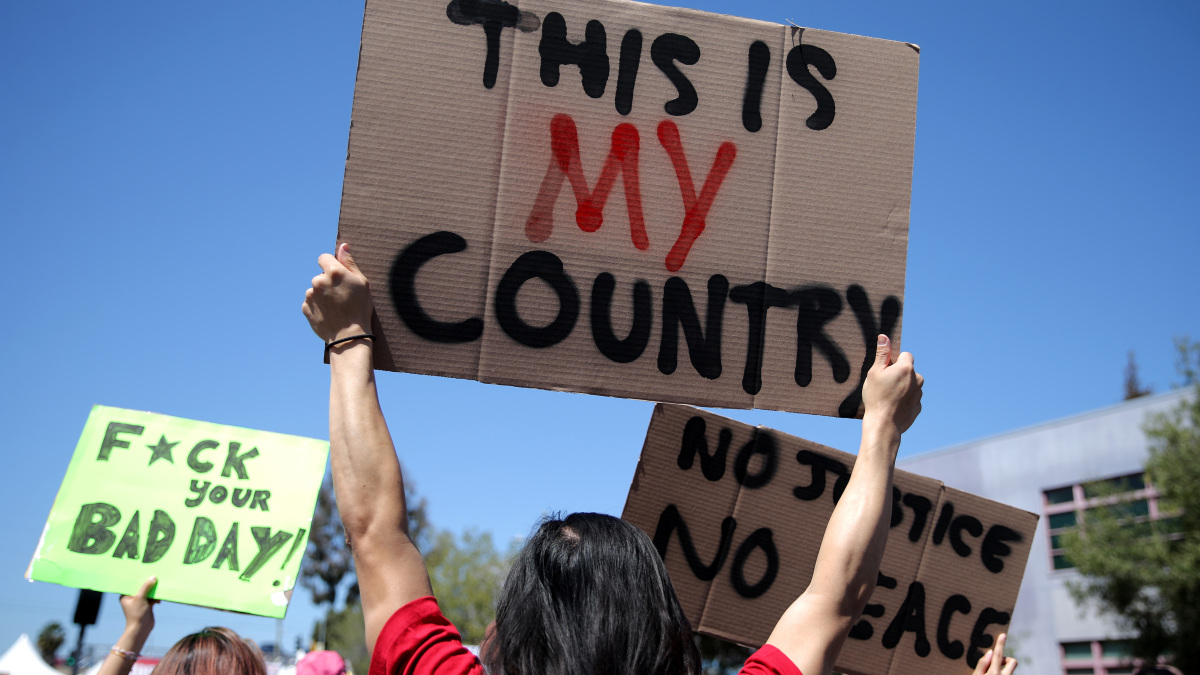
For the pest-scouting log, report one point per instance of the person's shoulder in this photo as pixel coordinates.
(420, 640)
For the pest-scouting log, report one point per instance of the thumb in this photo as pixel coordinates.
(344, 257)
(883, 351)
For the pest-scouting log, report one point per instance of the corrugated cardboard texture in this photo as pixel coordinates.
(630, 200)
(948, 582)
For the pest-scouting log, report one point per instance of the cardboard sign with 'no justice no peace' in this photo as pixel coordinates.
(738, 513)
(631, 200)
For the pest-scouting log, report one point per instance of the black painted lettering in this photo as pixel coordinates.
(762, 540)
(111, 441)
(968, 524)
(591, 55)
(695, 442)
(160, 536)
(236, 462)
(268, 545)
(240, 496)
(494, 16)
(131, 540)
(759, 62)
(202, 543)
(921, 507)
(889, 315)
(200, 490)
(704, 346)
(549, 268)
(910, 619)
(403, 282)
(943, 523)
(758, 298)
(92, 534)
(260, 500)
(630, 348)
(980, 640)
(193, 459)
(218, 494)
(897, 512)
(764, 445)
(816, 307)
(228, 550)
(665, 51)
(631, 57)
(671, 521)
(798, 61)
(951, 649)
(994, 547)
(820, 465)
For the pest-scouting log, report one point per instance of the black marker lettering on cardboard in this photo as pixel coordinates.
(665, 51)
(403, 282)
(590, 55)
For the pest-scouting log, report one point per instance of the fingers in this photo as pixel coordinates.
(985, 661)
(344, 257)
(998, 655)
(328, 263)
(883, 351)
(1010, 664)
(146, 587)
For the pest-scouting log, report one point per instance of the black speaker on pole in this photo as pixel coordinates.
(88, 607)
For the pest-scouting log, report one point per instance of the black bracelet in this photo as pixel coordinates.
(329, 345)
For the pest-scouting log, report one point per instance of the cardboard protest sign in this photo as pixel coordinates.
(631, 200)
(219, 514)
(738, 513)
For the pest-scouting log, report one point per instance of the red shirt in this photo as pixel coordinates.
(425, 642)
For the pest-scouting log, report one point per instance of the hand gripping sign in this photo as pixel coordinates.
(631, 200)
(219, 514)
(738, 512)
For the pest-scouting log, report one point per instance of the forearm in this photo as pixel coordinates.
(370, 490)
(854, 541)
(366, 473)
(132, 640)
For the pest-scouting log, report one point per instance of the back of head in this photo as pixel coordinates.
(589, 594)
(212, 651)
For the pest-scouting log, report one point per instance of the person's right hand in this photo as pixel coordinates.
(994, 662)
(339, 303)
(139, 609)
(892, 391)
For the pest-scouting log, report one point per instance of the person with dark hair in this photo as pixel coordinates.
(588, 594)
(212, 651)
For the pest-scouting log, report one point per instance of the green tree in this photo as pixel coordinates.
(49, 640)
(1147, 574)
(466, 573)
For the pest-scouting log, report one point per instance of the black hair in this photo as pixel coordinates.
(589, 595)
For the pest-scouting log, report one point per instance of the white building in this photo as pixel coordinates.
(1043, 469)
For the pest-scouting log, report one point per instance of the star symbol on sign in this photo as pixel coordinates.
(162, 450)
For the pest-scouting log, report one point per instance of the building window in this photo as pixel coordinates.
(1136, 499)
(1099, 657)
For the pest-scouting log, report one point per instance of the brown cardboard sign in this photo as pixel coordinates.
(630, 200)
(738, 513)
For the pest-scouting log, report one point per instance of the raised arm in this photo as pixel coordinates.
(139, 621)
(811, 632)
(366, 473)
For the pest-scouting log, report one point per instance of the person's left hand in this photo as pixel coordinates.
(139, 609)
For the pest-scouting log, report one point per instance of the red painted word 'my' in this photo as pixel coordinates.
(566, 164)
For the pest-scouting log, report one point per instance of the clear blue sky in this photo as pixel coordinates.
(169, 173)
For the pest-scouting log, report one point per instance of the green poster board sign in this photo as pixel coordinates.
(219, 514)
